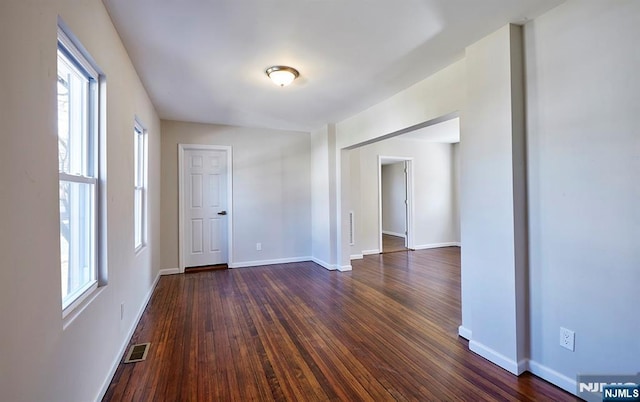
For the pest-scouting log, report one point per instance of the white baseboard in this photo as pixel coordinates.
(356, 257)
(370, 252)
(169, 271)
(555, 378)
(436, 245)
(127, 339)
(330, 267)
(497, 358)
(387, 232)
(344, 268)
(464, 332)
(247, 264)
(523, 365)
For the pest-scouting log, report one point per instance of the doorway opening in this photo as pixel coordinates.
(395, 201)
(430, 151)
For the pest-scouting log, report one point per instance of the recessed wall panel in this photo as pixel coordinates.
(196, 191)
(196, 161)
(196, 236)
(215, 240)
(214, 190)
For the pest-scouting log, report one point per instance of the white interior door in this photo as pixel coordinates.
(205, 210)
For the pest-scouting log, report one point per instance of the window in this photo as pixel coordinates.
(140, 185)
(78, 172)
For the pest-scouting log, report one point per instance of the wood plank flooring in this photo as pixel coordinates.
(391, 244)
(387, 331)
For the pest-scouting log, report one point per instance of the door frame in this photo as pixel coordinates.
(408, 163)
(181, 237)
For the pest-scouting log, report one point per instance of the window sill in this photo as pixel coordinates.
(77, 307)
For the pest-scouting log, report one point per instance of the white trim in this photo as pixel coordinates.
(356, 256)
(102, 199)
(380, 203)
(523, 365)
(370, 252)
(387, 232)
(257, 263)
(181, 149)
(86, 292)
(169, 271)
(496, 358)
(84, 301)
(330, 267)
(72, 45)
(464, 332)
(567, 383)
(127, 339)
(74, 178)
(140, 131)
(345, 268)
(76, 56)
(436, 245)
(410, 239)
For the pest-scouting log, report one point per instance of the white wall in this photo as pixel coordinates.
(582, 163)
(584, 185)
(324, 205)
(491, 152)
(433, 192)
(40, 360)
(582, 151)
(271, 190)
(394, 194)
(435, 96)
(321, 198)
(342, 207)
(440, 94)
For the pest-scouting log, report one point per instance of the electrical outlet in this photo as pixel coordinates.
(567, 338)
(258, 246)
(122, 311)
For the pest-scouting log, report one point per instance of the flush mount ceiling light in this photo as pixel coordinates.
(282, 75)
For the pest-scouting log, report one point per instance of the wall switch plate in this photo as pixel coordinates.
(567, 339)
(258, 246)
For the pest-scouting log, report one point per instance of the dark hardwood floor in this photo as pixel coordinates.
(391, 244)
(385, 331)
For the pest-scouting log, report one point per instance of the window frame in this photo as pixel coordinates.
(140, 180)
(92, 172)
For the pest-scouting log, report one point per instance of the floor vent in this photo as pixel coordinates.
(137, 353)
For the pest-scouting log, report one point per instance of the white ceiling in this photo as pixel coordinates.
(204, 60)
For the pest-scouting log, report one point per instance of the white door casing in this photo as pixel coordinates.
(406, 203)
(205, 218)
(409, 203)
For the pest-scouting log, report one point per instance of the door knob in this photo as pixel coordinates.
(222, 213)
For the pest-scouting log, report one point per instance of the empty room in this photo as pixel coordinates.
(319, 200)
